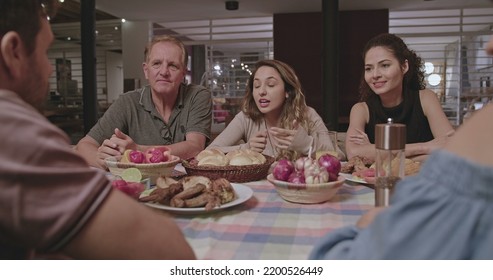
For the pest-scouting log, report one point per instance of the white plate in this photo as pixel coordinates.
(354, 179)
(244, 193)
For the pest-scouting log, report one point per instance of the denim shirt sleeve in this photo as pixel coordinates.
(444, 212)
(336, 245)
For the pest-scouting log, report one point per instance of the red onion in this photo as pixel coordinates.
(283, 169)
(332, 164)
(136, 157)
(157, 154)
(297, 177)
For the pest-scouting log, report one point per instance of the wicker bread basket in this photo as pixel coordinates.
(148, 170)
(234, 174)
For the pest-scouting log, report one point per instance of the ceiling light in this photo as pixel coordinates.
(429, 67)
(434, 79)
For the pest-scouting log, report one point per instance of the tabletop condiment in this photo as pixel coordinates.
(390, 143)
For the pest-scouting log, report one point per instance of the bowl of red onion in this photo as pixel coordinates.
(307, 180)
(152, 163)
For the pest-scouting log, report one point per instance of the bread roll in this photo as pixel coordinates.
(209, 152)
(255, 157)
(213, 160)
(240, 160)
(234, 153)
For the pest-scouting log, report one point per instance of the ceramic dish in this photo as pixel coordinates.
(243, 192)
(306, 193)
(353, 179)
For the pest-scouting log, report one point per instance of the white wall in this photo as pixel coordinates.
(114, 75)
(135, 35)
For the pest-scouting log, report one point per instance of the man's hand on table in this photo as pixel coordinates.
(114, 147)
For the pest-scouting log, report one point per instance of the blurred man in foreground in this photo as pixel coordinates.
(50, 200)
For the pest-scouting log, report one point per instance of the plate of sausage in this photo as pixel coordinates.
(242, 194)
(353, 178)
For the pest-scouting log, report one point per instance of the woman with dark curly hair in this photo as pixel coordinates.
(392, 86)
(442, 213)
(274, 119)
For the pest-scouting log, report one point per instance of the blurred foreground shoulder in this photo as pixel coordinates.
(473, 139)
(147, 234)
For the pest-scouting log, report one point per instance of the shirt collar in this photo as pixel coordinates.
(146, 100)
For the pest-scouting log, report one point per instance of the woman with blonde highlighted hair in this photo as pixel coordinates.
(274, 118)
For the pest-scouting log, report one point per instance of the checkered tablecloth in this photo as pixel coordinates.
(268, 227)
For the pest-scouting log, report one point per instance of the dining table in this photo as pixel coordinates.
(265, 226)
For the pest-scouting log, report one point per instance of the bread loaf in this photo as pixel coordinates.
(255, 157)
(241, 160)
(214, 157)
(209, 152)
(213, 160)
(234, 153)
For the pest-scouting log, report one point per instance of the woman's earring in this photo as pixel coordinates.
(287, 96)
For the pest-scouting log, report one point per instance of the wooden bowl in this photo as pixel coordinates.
(306, 193)
(148, 170)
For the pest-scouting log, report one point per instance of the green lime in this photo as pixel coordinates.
(132, 174)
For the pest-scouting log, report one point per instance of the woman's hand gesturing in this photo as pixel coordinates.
(258, 142)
